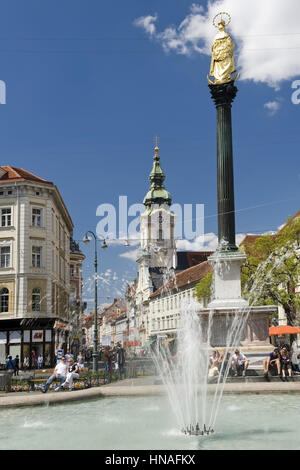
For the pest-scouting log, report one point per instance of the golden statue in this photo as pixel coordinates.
(222, 61)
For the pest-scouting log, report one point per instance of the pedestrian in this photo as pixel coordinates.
(69, 355)
(72, 373)
(115, 357)
(295, 357)
(107, 358)
(26, 362)
(10, 364)
(17, 365)
(80, 360)
(59, 373)
(33, 359)
(40, 361)
(121, 360)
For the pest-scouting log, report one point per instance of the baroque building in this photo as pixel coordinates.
(157, 254)
(35, 233)
(77, 307)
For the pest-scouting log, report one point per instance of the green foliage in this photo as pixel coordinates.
(271, 272)
(203, 288)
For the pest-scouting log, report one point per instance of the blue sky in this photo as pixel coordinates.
(87, 90)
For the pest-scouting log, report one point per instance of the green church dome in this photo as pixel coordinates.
(157, 193)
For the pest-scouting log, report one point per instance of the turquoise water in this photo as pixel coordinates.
(244, 422)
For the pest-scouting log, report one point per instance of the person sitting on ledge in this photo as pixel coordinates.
(239, 363)
(72, 373)
(286, 364)
(59, 373)
(223, 361)
(272, 364)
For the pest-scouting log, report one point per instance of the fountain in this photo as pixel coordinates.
(228, 321)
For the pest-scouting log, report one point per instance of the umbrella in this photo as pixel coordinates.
(283, 330)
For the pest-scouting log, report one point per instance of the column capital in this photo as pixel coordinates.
(223, 94)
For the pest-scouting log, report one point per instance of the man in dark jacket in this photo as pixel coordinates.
(17, 365)
(121, 360)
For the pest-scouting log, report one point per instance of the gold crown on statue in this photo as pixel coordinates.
(222, 20)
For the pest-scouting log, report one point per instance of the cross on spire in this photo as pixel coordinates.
(156, 140)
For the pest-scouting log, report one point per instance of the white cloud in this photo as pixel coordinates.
(266, 34)
(131, 254)
(207, 243)
(272, 107)
(147, 22)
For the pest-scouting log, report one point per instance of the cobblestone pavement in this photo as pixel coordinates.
(142, 386)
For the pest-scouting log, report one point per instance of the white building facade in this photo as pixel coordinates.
(35, 231)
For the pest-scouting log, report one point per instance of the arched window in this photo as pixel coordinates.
(36, 299)
(4, 297)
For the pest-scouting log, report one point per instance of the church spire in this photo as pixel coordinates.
(157, 193)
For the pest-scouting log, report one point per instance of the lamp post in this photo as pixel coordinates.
(87, 240)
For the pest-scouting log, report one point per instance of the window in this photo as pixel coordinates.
(36, 299)
(36, 256)
(72, 270)
(36, 217)
(5, 256)
(160, 231)
(4, 296)
(6, 217)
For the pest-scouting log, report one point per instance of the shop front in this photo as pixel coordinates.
(30, 339)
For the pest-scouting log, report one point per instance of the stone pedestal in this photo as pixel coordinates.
(252, 332)
(227, 280)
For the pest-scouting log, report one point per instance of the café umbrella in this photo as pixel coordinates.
(283, 330)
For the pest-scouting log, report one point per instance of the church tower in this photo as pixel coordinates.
(157, 254)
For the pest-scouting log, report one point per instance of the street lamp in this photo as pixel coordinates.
(86, 240)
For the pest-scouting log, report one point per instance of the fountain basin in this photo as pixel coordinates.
(245, 421)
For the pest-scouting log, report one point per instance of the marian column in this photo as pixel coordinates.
(227, 260)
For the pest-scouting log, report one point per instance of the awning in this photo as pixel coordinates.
(283, 330)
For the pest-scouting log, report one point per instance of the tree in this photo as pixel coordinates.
(203, 288)
(271, 272)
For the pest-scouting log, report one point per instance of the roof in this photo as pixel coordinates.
(88, 320)
(12, 174)
(187, 259)
(116, 309)
(157, 193)
(289, 221)
(188, 276)
(252, 238)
